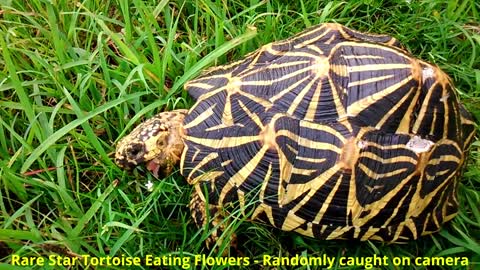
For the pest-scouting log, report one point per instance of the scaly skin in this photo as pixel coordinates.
(158, 144)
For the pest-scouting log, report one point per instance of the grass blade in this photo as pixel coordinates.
(47, 143)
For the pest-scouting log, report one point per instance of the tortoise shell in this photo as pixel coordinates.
(332, 133)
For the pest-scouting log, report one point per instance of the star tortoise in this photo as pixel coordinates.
(332, 133)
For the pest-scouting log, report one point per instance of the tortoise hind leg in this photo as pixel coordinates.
(204, 213)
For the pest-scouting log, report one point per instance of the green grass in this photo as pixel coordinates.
(75, 76)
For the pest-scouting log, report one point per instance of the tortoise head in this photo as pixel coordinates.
(156, 143)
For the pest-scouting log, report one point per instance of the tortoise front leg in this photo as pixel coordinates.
(204, 213)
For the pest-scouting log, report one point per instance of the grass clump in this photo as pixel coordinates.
(75, 76)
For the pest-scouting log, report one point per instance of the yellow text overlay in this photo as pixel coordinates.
(187, 262)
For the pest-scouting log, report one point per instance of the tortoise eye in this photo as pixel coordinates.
(161, 142)
(135, 151)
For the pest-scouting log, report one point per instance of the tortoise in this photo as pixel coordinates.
(332, 133)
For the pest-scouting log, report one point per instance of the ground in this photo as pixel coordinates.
(75, 76)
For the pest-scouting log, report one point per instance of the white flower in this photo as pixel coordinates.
(149, 186)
